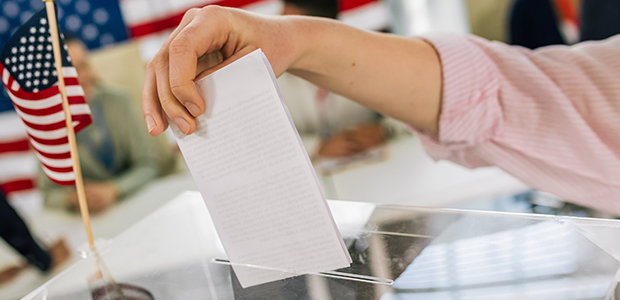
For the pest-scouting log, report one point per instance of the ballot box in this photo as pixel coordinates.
(398, 252)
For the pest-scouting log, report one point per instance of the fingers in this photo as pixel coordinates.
(151, 108)
(154, 106)
(191, 43)
(169, 103)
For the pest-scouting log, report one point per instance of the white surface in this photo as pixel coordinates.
(415, 17)
(411, 177)
(49, 225)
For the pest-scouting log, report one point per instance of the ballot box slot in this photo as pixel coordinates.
(329, 274)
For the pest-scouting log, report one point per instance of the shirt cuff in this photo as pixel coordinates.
(470, 110)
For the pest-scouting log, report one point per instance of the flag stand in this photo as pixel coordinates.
(100, 269)
(79, 182)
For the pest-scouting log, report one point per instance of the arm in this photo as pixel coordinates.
(395, 76)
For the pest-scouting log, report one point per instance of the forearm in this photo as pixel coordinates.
(395, 76)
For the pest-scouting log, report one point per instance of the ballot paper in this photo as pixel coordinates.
(256, 178)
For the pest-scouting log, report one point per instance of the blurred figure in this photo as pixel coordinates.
(345, 127)
(117, 155)
(14, 232)
(538, 23)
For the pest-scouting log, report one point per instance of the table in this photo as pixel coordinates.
(409, 176)
(51, 224)
(399, 252)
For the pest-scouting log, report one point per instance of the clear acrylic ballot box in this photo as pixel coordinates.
(398, 252)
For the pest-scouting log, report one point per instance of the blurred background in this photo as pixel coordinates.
(358, 154)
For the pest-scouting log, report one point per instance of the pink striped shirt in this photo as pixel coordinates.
(550, 117)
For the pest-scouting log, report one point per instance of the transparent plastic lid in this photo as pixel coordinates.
(399, 252)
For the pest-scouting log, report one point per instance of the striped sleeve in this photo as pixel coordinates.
(470, 110)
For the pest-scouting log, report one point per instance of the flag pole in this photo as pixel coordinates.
(79, 182)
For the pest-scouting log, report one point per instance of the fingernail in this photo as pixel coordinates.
(150, 123)
(182, 124)
(192, 108)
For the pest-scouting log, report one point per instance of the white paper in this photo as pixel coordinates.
(256, 178)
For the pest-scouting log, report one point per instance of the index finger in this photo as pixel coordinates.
(192, 42)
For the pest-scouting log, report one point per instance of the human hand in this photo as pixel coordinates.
(59, 251)
(353, 141)
(99, 196)
(11, 272)
(339, 145)
(368, 135)
(169, 88)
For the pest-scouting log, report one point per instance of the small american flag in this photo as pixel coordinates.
(29, 75)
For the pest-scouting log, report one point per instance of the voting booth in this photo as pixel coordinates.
(398, 252)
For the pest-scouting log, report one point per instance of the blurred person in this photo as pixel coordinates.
(344, 127)
(538, 23)
(116, 155)
(15, 233)
(550, 117)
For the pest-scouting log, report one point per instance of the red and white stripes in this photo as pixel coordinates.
(43, 115)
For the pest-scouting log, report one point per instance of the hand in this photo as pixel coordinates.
(368, 135)
(339, 145)
(9, 273)
(99, 196)
(59, 252)
(169, 87)
(353, 141)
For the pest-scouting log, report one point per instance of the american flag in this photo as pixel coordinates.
(29, 75)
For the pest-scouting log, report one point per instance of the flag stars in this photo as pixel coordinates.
(33, 30)
(22, 58)
(42, 30)
(46, 65)
(43, 21)
(44, 81)
(37, 74)
(68, 58)
(22, 49)
(49, 47)
(14, 59)
(21, 67)
(28, 75)
(30, 57)
(14, 50)
(54, 73)
(28, 83)
(29, 66)
(32, 39)
(48, 56)
(14, 69)
(39, 56)
(46, 73)
(35, 82)
(7, 61)
(35, 90)
(37, 65)
(41, 40)
(23, 40)
(31, 48)
(20, 76)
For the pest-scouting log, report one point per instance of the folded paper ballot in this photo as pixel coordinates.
(256, 178)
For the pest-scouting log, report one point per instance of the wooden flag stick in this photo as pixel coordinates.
(79, 182)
